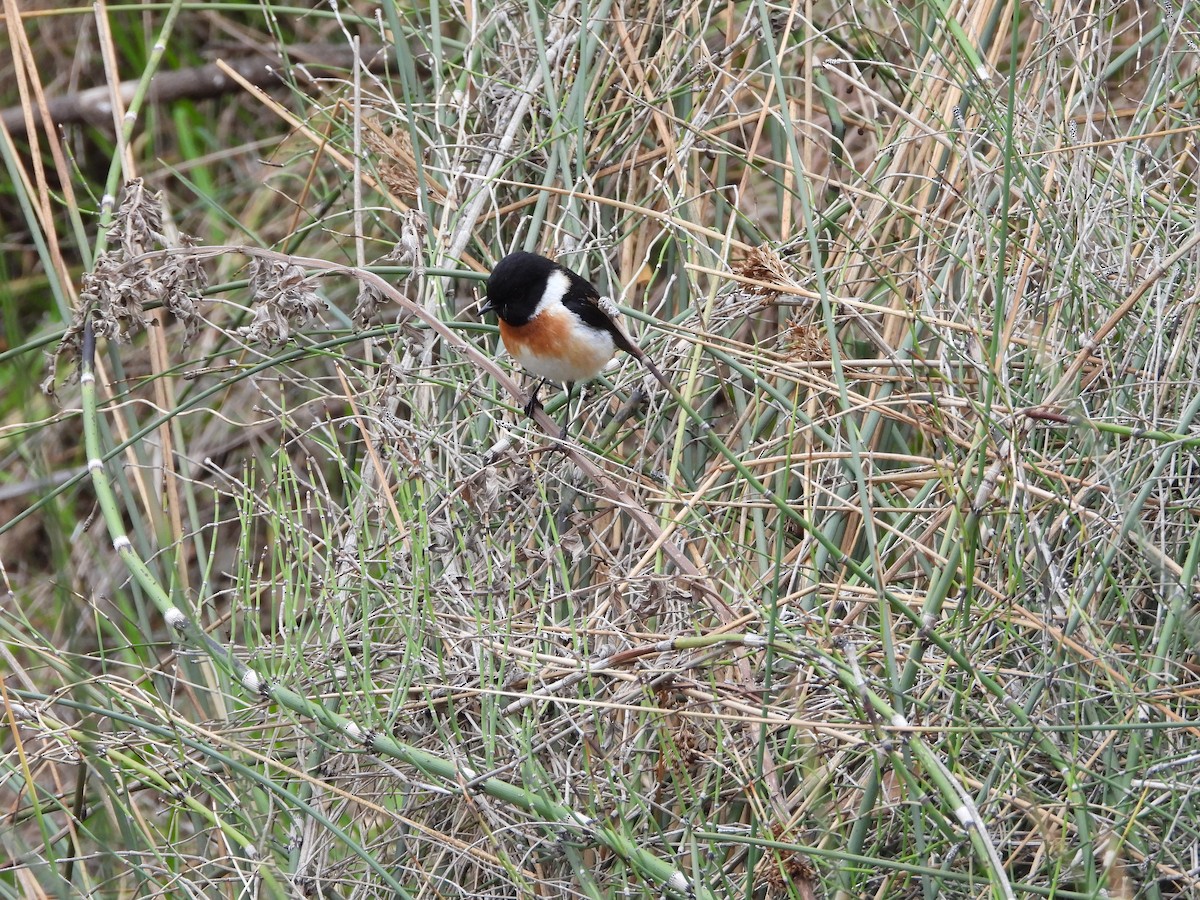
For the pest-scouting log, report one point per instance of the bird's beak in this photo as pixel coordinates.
(487, 307)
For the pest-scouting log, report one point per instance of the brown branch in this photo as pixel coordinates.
(94, 105)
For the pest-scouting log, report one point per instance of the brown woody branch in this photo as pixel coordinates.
(94, 105)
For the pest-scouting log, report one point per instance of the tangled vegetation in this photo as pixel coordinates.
(894, 599)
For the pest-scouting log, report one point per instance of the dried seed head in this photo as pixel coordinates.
(269, 328)
(369, 300)
(137, 226)
(183, 279)
(122, 282)
(413, 228)
(285, 299)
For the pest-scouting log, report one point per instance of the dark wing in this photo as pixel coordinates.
(584, 300)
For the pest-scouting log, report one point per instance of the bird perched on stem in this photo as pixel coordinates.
(552, 324)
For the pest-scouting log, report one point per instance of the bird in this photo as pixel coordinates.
(552, 324)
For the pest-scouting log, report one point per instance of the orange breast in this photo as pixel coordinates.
(544, 335)
(553, 345)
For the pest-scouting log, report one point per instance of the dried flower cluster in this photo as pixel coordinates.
(284, 298)
(124, 280)
(408, 251)
(762, 264)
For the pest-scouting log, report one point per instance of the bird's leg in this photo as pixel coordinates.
(567, 412)
(533, 403)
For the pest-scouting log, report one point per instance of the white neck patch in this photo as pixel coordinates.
(557, 286)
